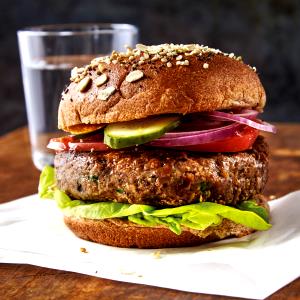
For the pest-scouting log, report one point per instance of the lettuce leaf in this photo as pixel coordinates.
(196, 216)
(47, 183)
(253, 206)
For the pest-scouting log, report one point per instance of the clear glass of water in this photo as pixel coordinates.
(48, 53)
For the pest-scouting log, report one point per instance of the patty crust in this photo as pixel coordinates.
(162, 177)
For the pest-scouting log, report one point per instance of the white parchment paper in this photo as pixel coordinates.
(32, 232)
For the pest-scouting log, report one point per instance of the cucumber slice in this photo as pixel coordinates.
(136, 132)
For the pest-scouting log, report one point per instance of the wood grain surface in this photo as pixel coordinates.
(18, 177)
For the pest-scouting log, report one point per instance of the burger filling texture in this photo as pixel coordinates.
(161, 136)
(198, 216)
(224, 139)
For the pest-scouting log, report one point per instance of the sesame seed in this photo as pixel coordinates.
(231, 55)
(80, 70)
(74, 72)
(141, 47)
(107, 60)
(169, 65)
(101, 80)
(205, 66)
(101, 67)
(94, 65)
(190, 47)
(106, 93)
(84, 84)
(179, 57)
(186, 62)
(163, 59)
(195, 52)
(134, 76)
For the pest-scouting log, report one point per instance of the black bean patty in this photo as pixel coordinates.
(162, 177)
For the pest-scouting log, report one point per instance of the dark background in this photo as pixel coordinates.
(266, 33)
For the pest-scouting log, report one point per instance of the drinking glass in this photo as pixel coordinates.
(48, 53)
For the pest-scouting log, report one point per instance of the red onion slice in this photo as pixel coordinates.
(201, 137)
(248, 113)
(219, 125)
(169, 135)
(264, 126)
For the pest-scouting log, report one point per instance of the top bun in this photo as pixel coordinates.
(151, 80)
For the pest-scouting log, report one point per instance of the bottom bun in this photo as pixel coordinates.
(123, 233)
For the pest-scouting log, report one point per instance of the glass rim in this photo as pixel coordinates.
(76, 29)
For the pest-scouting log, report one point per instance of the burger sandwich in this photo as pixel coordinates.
(164, 148)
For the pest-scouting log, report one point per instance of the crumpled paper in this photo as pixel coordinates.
(32, 232)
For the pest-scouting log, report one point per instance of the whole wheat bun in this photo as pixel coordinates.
(175, 79)
(121, 233)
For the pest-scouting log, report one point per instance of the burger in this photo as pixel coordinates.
(164, 148)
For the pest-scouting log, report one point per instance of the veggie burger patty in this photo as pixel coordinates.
(163, 178)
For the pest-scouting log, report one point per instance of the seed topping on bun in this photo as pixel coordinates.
(169, 54)
(134, 76)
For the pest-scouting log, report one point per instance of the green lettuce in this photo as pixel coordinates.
(195, 216)
(253, 206)
(47, 183)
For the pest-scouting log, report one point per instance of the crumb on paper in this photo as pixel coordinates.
(124, 272)
(156, 254)
(83, 250)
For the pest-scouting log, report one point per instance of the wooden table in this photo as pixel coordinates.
(18, 177)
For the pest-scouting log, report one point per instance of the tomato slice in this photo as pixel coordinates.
(60, 143)
(69, 143)
(241, 141)
(88, 146)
